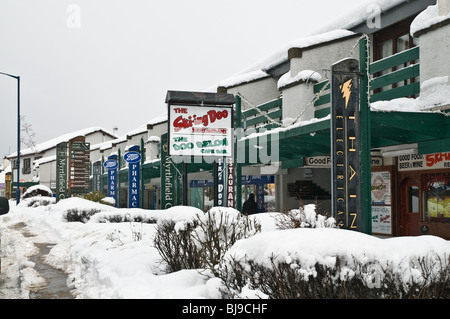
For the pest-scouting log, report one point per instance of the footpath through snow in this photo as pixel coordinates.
(105, 260)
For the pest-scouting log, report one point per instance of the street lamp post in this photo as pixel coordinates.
(18, 134)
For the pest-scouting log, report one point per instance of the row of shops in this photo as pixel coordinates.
(383, 162)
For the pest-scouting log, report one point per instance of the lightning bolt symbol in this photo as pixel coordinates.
(346, 91)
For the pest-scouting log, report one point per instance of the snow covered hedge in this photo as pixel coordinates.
(336, 263)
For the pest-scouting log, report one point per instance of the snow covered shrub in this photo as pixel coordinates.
(293, 278)
(37, 190)
(80, 215)
(175, 245)
(218, 230)
(98, 197)
(40, 201)
(202, 242)
(304, 217)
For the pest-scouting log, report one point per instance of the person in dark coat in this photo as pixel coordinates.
(250, 206)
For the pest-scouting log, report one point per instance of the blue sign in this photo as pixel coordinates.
(132, 157)
(111, 166)
(134, 164)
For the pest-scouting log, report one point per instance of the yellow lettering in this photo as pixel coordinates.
(353, 221)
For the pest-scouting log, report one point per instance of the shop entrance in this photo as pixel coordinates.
(410, 207)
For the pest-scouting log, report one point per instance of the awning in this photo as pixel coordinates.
(430, 130)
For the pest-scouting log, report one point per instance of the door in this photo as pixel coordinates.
(410, 207)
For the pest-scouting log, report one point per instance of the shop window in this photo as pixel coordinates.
(413, 199)
(437, 197)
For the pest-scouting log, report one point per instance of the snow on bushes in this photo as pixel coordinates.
(336, 263)
(205, 239)
(304, 217)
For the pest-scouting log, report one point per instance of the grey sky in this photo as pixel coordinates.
(115, 67)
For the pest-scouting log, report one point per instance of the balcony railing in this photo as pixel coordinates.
(393, 77)
(266, 115)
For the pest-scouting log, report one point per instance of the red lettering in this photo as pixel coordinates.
(433, 159)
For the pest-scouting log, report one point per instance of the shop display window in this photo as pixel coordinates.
(436, 197)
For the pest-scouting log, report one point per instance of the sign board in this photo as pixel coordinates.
(168, 177)
(96, 176)
(111, 165)
(8, 180)
(381, 194)
(61, 171)
(221, 171)
(345, 141)
(230, 184)
(79, 167)
(200, 130)
(382, 220)
(134, 163)
(412, 162)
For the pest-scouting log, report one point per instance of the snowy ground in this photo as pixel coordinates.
(103, 260)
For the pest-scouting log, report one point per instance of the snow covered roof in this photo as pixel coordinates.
(334, 30)
(41, 147)
(427, 19)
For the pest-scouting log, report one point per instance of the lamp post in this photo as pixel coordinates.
(18, 134)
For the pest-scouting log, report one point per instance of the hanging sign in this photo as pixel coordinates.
(111, 165)
(345, 135)
(134, 163)
(200, 130)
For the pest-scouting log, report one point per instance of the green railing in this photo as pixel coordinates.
(392, 77)
(266, 115)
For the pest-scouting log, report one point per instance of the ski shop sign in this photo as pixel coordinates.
(200, 130)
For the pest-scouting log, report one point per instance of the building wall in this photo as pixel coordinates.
(434, 53)
(257, 92)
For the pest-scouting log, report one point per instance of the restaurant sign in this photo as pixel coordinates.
(200, 130)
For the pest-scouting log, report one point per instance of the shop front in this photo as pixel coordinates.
(423, 183)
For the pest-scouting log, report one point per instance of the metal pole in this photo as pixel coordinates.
(18, 142)
(18, 134)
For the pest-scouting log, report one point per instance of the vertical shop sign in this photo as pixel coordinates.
(111, 165)
(97, 176)
(260, 197)
(221, 171)
(345, 141)
(61, 171)
(134, 163)
(8, 180)
(168, 175)
(230, 183)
